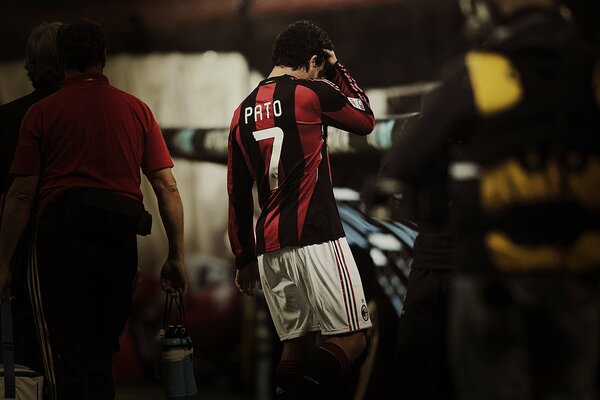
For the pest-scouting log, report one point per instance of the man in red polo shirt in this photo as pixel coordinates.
(78, 162)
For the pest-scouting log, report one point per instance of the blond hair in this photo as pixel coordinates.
(41, 59)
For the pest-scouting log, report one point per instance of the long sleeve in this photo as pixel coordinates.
(241, 205)
(345, 105)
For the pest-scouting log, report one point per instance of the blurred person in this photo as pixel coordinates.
(45, 72)
(77, 166)
(278, 139)
(524, 106)
(422, 365)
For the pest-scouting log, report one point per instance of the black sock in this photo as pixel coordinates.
(288, 373)
(323, 371)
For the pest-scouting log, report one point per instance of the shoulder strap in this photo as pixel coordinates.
(8, 347)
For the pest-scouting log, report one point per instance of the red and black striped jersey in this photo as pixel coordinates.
(278, 139)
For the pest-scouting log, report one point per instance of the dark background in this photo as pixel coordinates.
(383, 42)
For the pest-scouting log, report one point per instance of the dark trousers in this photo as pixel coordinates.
(24, 333)
(525, 337)
(421, 358)
(82, 284)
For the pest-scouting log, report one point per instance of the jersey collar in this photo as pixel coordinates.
(276, 78)
(84, 79)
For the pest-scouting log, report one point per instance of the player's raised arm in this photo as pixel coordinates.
(344, 104)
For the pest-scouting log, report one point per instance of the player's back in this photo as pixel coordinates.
(281, 133)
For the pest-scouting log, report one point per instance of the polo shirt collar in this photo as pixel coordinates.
(85, 78)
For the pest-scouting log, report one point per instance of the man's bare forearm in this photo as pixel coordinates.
(171, 213)
(17, 209)
(171, 210)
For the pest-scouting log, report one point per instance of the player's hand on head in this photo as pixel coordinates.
(331, 58)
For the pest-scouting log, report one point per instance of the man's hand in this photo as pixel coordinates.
(173, 277)
(247, 278)
(5, 278)
(331, 58)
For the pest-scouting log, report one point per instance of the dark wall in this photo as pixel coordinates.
(387, 43)
(383, 42)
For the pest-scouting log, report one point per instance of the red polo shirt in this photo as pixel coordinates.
(89, 135)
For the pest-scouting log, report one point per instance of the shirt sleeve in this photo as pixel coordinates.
(27, 159)
(343, 103)
(447, 115)
(240, 180)
(156, 155)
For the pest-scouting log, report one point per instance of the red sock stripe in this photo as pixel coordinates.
(337, 352)
(290, 367)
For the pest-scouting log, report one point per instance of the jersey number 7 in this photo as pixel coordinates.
(276, 134)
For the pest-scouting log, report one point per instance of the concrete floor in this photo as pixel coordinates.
(155, 392)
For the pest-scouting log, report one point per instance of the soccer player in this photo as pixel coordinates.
(278, 139)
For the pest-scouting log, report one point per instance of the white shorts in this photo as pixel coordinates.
(314, 288)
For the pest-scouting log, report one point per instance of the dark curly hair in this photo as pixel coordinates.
(82, 45)
(41, 59)
(297, 43)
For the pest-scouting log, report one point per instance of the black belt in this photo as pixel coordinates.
(102, 210)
